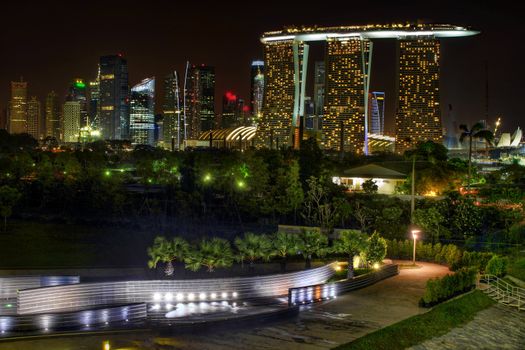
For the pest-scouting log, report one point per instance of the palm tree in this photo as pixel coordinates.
(167, 251)
(285, 244)
(352, 243)
(212, 253)
(312, 243)
(477, 131)
(252, 247)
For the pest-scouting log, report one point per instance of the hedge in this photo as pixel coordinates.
(441, 289)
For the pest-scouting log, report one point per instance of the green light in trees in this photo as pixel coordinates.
(241, 184)
(150, 180)
(107, 172)
(207, 178)
(121, 170)
(80, 84)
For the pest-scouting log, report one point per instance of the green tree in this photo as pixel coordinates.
(430, 220)
(166, 251)
(9, 196)
(211, 253)
(477, 131)
(285, 244)
(376, 249)
(319, 209)
(252, 247)
(351, 243)
(312, 243)
(369, 186)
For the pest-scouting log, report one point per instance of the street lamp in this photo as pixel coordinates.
(414, 235)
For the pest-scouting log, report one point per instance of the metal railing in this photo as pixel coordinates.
(502, 291)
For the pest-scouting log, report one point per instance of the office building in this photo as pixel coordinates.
(142, 117)
(72, 115)
(17, 111)
(200, 100)
(376, 112)
(114, 98)
(33, 117)
(173, 134)
(256, 90)
(53, 118)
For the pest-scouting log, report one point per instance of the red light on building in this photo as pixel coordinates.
(230, 96)
(246, 108)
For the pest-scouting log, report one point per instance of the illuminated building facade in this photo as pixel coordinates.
(319, 81)
(347, 73)
(114, 98)
(376, 112)
(418, 116)
(94, 102)
(142, 117)
(18, 108)
(257, 90)
(200, 100)
(78, 92)
(72, 115)
(172, 133)
(33, 117)
(53, 118)
(231, 114)
(344, 111)
(286, 62)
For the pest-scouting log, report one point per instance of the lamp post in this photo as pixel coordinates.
(414, 235)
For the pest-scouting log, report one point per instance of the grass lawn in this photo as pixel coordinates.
(516, 267)
(416, 329)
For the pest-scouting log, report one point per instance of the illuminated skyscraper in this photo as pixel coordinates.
(33, 117)
(286, 62)
(172, 133)
(200, 100)
(78, 92)
(94, 102)
(72, 115)
(230, 115)
(257, 90)
(418, 116)
(114, 97)
(142, 117)
(376, 112)
(18, 108)
(319, 81)
(344, 103)
(53, 118)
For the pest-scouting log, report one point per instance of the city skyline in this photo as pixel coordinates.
(464, 89)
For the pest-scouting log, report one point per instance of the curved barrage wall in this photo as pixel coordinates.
(85, 320)
(10, 285)
(88, 295)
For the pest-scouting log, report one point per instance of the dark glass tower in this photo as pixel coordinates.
(114, 97)
(257, 89)
(78, 93)
(172, 137)
(142, 119)
(200, 100)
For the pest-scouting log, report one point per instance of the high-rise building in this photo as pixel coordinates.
(230, 110)
(344, 111)
(282, 96)
(418, 116)
(18, 107)
(200, 100)
(78, 92)
(257, 90)
(319, 81)
(142, 117)
(94, 102)
(347, 73)
(173, 134)
(33, 117)
(114, 97)
(376, 112)
(53, 118)
(72, 116)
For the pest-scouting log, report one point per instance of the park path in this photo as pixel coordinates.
(498, 327)
(319, 326)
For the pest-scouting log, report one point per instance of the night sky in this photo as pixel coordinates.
(51, 43)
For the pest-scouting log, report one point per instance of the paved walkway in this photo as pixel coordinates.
(320, 326)
(498, 327)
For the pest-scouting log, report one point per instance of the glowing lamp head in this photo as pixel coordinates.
(414, 234)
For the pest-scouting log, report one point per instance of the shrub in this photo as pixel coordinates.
(497, 266)
(376, 250)
(441, 289)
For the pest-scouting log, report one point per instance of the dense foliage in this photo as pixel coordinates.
(440, 289)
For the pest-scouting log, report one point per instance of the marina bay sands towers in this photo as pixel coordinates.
(348, 70)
